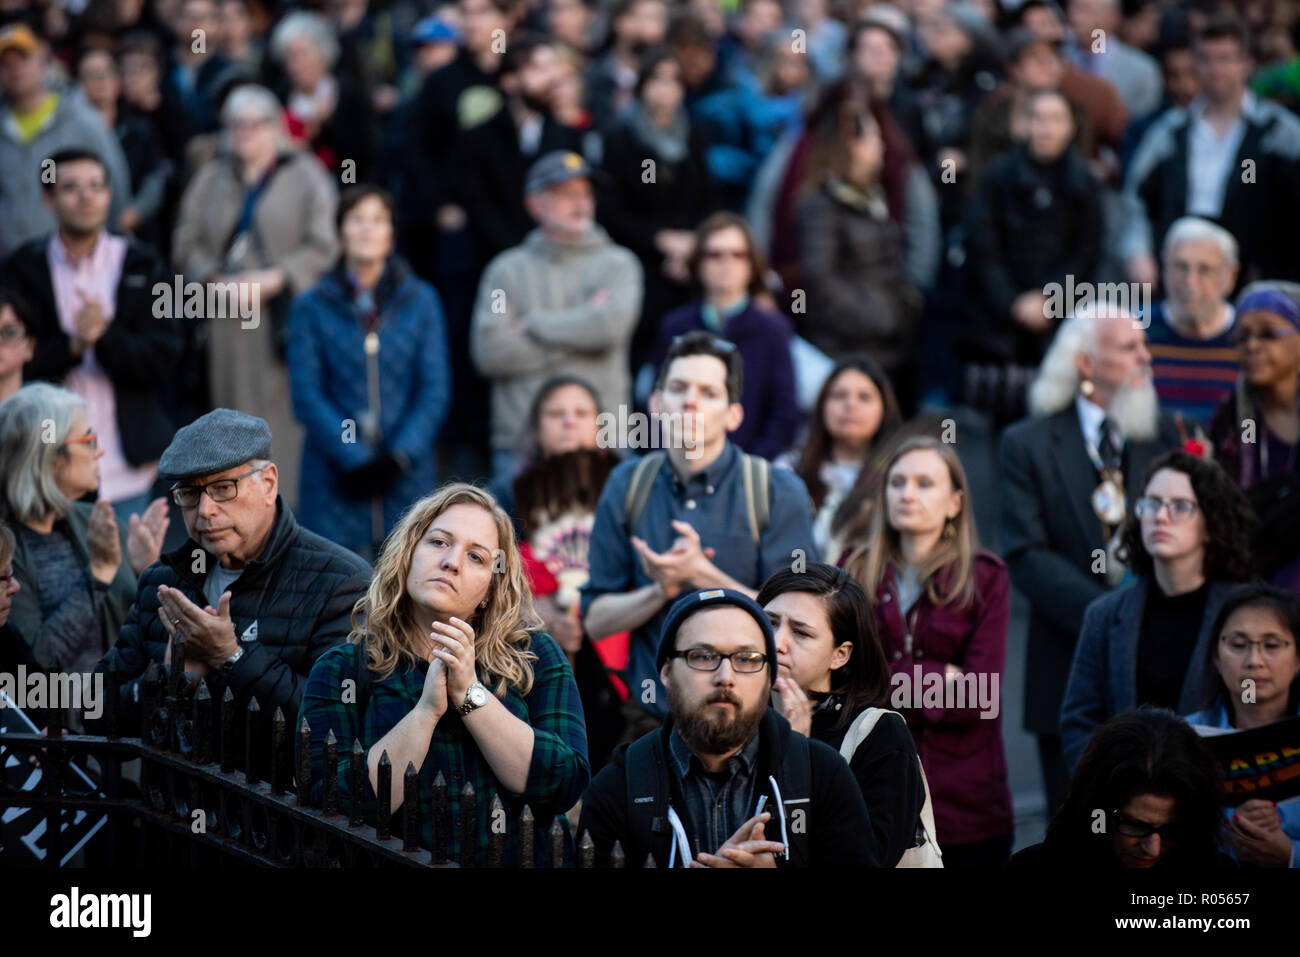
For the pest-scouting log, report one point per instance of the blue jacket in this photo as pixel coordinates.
(1216, 716)
(327, 371)
(1103, 676)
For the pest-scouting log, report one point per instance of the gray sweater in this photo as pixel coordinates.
(73, 124)
(533, 319)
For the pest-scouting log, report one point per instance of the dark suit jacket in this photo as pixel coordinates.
(1103, 677)
(1049, 533)
(137, 350)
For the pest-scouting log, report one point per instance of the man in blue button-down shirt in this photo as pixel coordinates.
(694, 531)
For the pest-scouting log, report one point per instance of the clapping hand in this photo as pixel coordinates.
(144, 540)
(103, 543)
(746, 848)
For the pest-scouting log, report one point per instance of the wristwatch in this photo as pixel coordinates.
(475, 697)
(229, 664)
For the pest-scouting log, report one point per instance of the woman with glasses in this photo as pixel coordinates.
(17, 345)
(1145, 643)
(941, 609)
(1254, 646)
(1146, 794)
(727, 267)
(1256, 431)
(453, 674)
(77, 566)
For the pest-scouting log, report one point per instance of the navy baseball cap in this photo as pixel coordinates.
(557, 166)
(705, 598)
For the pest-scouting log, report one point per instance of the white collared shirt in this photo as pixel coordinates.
(1211, 158)
(1090, 416)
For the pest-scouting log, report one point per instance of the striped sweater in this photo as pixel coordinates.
(1192, 376)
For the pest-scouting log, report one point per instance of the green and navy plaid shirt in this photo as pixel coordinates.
(557, 776)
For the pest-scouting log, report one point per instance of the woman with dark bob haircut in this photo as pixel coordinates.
(1146, 643)
(1157, 789)
(832, 672)
(1254, 647)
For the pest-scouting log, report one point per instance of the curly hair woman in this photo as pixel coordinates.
(458, 677)
(1155, 783)
(1145, 643)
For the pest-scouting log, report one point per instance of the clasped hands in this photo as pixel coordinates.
(686, 565)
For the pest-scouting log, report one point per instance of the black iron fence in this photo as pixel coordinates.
(194, 807)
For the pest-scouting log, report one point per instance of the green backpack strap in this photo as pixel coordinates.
(757, 473)
(638, 490)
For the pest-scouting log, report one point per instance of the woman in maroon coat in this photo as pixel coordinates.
(941, 607)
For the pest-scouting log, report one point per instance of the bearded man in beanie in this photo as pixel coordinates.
(726, 782)
(257, 597)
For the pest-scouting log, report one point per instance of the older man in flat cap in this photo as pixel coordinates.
(257, 597)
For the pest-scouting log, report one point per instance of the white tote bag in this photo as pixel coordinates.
(925, 852)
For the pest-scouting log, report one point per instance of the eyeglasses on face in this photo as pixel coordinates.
(11, 334)
(706, 659)
(1141, 830)
(222, 490)
(1239, 337)
(8, 575)
(1179, 508)
(716, 254)
(1240, 645)
(90, 438)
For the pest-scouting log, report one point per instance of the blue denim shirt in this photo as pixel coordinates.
(716, 804)
(713, 503)
(1289, 810)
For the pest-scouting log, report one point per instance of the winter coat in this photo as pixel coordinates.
(328, 371)
(851, 265)
(291, 603)
(960, 746)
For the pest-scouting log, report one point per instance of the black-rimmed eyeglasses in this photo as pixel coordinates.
(706, 659)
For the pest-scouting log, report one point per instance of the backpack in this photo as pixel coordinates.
(926, 851)
(756, 473)
(646, 771)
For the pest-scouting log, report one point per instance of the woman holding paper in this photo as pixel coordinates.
(1258, 682)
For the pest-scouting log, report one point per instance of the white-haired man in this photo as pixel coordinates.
(1096, 422)
(1194, 360)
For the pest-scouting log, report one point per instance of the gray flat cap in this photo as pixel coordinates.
(215, 442)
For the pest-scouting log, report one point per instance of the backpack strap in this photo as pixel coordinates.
(638, 490)
(860, 730)
(756, 473)
(647, 796)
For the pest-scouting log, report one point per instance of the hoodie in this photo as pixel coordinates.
(828, 826)
(73, 124)
(534, 317)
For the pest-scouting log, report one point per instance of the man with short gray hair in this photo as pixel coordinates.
(257, 597)
(1194, 358)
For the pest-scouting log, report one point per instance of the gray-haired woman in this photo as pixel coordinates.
(76, 566)
(261, 216)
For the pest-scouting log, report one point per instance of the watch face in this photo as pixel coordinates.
(477, 696)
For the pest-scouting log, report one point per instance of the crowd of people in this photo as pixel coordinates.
(556, 396)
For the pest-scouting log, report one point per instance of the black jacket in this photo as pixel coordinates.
(489, 180)
(137, 350)
(1049, 536)
(835, 832)
(1029, 224)
(296, 598)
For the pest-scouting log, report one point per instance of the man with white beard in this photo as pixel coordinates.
(1095, 419)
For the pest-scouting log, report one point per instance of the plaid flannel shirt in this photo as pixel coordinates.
(557, 776)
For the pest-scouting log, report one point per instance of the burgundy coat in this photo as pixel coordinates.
(961, 751)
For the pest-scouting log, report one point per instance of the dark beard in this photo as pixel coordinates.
(705, 735)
